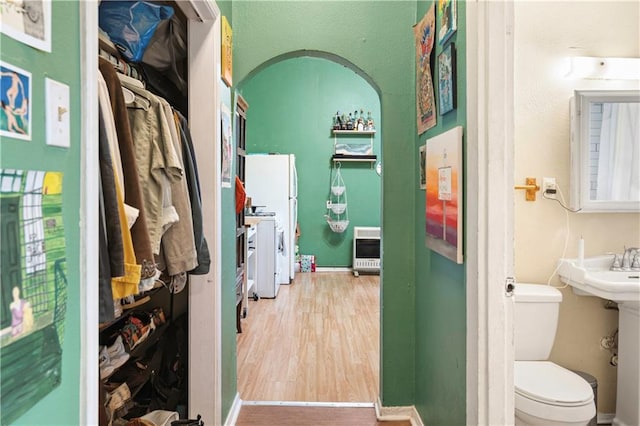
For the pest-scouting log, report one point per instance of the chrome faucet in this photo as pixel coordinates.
(630, 260)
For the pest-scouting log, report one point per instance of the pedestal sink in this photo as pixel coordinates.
(592, 277)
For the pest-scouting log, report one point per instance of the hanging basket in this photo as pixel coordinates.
(338, 190)
(338, 208)
(338, 226)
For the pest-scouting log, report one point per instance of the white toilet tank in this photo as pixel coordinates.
(536, 320)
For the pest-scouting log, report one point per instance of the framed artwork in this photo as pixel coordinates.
(443, 210)
(15, 94)
(447, 17)
(424, 35)
(34, 299)
(226, 147)
(447, 79)
(29, 22)
(423, 160)
(226, 52)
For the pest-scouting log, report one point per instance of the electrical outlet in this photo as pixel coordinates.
(549, 187)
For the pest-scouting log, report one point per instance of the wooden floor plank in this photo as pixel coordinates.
(317, 341)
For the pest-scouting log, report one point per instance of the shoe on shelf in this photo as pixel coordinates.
(136, 329)
(117, 353)
(106, 368)
(131, 302)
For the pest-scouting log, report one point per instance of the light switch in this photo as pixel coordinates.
(58, 114)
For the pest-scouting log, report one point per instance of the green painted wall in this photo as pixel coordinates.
(62, 405)
(376, 38)
(292, 103)
(440, 284)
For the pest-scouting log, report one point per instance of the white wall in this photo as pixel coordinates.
(545, 34)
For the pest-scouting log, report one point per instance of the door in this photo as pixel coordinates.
(489, 182)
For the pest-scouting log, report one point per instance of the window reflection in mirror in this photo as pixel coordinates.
(605, 151)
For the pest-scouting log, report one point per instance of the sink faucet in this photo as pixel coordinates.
(630, 260)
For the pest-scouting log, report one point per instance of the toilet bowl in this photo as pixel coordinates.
(545, 393)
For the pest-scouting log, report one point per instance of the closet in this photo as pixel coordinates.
(151, 361)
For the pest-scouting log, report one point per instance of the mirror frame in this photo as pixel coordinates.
(580, 184)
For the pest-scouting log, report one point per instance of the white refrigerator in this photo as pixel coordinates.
(271, 181)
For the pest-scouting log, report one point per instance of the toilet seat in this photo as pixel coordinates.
(546, 390)
(546, 382)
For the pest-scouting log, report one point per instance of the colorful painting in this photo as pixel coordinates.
(447, 79)
(424, 33)
(15, 98)
(28, 21)
(34, 288)
(447, 17)
(226, 146)
(226, 52)
(443, 211)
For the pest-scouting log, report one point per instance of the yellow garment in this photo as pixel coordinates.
(128, 284)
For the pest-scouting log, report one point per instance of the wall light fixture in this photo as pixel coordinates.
(604, 68)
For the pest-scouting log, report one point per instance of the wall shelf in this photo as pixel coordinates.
(353, 158)
(354, 132)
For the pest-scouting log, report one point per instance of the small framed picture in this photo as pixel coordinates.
(15, 93)
(447, 79)
(423, 162)
(447, 16)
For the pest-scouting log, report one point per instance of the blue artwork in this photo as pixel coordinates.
(15, 98)
(447, 79)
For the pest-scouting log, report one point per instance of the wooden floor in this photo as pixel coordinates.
(260, 415)
(318, 340)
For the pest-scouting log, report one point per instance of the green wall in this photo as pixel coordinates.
(376, 38)
(292, 103)
(440, 283)
(62, 405)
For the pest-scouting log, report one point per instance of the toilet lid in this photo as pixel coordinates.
(549, 383)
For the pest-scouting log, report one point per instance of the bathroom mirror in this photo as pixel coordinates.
(605, 151)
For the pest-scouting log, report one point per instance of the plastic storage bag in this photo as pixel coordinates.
(131, 24)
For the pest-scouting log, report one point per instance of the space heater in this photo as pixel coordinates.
(366, 249)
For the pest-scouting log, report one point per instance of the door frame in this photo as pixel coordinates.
(205, 383)
(490, 168)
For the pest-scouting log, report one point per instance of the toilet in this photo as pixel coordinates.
(545, 393)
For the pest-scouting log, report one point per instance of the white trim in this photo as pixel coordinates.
(311, 404)
(89, 376)
(332, 269)
(605, 418)
(390, 414)
(489, 182)
(234, 412)
(205, 309)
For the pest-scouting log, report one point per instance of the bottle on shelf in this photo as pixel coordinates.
(370, 126)
(361, 122)
(350, 122)
(337, 121)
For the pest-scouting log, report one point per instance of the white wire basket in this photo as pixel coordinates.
(338, 226)
(338, 190)
(338, 208)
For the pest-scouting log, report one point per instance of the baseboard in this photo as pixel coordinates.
(234, 412)
(389, 414)
(605, 418)
(332, 269)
